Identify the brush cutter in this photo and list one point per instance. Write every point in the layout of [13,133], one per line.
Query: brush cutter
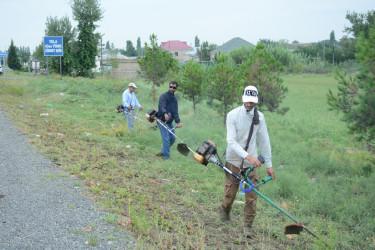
[181,147]
[139,119]
[207,153]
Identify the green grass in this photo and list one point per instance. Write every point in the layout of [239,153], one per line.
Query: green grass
[323,177]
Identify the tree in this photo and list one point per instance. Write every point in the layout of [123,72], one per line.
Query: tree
[332,39]
[240,55]
[155,64]
[203,52]
[356,95]
[223,83]
[263,71]
[348,48]
[139,47]
[107,45]
[361,22]
[61,27]
[24,54]
[86,13]
[130,50]
[39,55]
[13,60]
[196,42]
[112,59]
[192,82]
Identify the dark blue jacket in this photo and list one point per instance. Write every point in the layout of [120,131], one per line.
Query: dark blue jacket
[168,104]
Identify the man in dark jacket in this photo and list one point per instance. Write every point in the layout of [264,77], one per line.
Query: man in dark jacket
[168,111]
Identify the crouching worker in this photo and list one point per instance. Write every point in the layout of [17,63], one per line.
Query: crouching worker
[129,101]
[246,127]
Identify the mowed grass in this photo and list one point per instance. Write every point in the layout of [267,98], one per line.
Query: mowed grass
[323,177]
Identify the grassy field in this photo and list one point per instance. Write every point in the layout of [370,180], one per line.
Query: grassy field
[323,177]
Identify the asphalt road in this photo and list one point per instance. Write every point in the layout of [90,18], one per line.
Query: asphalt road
[43,207]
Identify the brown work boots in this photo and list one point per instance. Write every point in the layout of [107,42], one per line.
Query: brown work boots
[249,231]
[224,216]
[248,228]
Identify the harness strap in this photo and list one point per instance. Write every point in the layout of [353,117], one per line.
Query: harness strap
[254,121]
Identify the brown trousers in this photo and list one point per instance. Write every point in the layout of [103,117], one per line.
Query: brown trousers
[231,185]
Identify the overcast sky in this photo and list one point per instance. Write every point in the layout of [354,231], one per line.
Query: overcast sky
[215,21]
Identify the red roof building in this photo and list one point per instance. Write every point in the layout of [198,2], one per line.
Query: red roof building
[178,49]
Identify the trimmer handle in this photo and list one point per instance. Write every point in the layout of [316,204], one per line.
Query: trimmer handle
[261,159]
[269,178]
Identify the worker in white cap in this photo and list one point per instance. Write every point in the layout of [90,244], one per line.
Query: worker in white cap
[129,101]
[246,127]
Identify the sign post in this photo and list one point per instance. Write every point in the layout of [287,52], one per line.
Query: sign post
[53,46]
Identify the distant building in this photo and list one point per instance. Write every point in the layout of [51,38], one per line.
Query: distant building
[178,49]
[127,66]
[192,54]
[232,44]
[295,46]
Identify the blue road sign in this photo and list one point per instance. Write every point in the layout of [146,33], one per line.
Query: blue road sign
[53,46]
[3,54]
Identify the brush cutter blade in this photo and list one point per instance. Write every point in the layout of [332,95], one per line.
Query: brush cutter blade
[183,149]
[294,228]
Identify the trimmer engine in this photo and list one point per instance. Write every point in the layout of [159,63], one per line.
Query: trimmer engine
[151,115]
[205,153]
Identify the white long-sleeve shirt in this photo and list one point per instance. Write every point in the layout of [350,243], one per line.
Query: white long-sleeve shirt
[238,128]
[129,99]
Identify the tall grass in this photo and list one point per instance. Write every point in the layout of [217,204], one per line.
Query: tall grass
[323,177]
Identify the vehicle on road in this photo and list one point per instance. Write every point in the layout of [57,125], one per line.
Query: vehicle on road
[1,70]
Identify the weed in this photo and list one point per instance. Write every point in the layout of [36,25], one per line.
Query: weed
[110,237]
[78,184]
[78,232]
[111,218]
[51,176]
[93,240]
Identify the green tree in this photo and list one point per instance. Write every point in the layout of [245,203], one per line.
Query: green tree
[130,50]
[192,82]
[348,48]
[332,39]
[263,71]
[24,54]
[13,60]
[155,64]
[61,27]
[38,55]
[112,58]
[86,13]
[107,45]
[356,95]
[196,42]
[240,55]
[224,84]
[360,22]
[139,47]
[204,52]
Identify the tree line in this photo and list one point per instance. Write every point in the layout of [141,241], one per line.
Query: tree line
[223,81]
[220,83]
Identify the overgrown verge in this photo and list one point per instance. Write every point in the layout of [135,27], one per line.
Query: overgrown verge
[174,204]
